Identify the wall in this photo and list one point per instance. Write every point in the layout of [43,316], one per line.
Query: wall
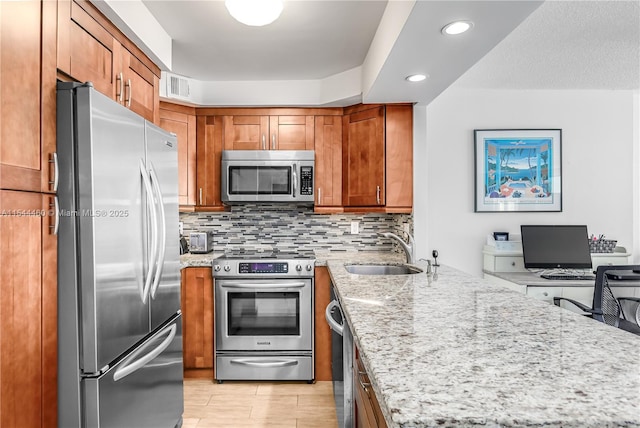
[288,228]
[598,149]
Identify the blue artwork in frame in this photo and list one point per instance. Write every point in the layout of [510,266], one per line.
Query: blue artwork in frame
[518,170]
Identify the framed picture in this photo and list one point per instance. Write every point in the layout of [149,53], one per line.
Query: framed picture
[518,170]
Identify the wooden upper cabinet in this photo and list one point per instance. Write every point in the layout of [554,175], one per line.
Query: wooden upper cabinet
[28,314]
[209,143]
[27,114]
[261,132]
[364,158]
[182,121]
[399,158]
[291,132]
[86,48]
[92,49]
[328,151]
[245,132]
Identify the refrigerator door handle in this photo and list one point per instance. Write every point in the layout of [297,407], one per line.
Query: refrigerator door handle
[144,293]
[133,364]
[162,242]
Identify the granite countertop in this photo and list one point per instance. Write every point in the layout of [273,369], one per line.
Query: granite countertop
[453,350]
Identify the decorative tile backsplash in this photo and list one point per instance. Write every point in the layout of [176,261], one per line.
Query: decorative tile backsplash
[289,227]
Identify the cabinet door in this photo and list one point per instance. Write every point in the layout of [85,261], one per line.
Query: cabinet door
[364,158]
[328,148]
[246,132]
[197,316]
[140,87]
[399,157]
[208,160]
[28,314]
[184,126]
[86,49]
[23,160]
[291,132]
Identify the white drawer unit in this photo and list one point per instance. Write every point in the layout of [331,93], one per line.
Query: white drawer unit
[512,261]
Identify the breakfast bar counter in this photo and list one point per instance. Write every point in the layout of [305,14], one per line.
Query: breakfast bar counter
[453,350]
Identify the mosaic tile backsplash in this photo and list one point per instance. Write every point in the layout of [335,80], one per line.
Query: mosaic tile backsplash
[289,227]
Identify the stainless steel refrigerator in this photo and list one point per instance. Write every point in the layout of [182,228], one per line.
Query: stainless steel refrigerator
[119,320]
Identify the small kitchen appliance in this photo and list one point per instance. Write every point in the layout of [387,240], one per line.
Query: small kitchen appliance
[200,242]
[264,316]
[267,176]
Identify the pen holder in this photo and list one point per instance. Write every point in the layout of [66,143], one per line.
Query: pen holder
[602,246]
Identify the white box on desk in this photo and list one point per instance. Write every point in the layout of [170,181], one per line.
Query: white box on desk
[513,244]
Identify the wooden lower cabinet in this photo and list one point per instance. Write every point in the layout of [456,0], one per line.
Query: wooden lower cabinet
[28,311]
[367,409]
[197,321]
[322,333]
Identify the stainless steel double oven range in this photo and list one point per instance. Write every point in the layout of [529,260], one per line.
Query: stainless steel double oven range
[264,316]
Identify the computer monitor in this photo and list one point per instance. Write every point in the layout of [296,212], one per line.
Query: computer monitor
[555,247]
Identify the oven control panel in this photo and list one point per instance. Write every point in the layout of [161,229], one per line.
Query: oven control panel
[270,267]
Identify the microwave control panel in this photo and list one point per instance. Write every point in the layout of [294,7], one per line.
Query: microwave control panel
[306,180]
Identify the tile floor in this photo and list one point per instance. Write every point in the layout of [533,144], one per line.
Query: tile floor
[256,405]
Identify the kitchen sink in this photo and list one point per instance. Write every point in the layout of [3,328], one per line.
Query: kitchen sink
[382,269]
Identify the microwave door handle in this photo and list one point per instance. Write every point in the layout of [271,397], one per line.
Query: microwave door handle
[259,285]
[295,180]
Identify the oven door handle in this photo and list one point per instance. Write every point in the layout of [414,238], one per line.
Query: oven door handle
[262,285]
[263,363]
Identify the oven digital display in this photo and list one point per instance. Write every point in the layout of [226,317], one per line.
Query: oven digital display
[263,267]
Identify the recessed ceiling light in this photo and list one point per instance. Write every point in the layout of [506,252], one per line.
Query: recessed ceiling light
[457,27]
[416,77]
[255,13]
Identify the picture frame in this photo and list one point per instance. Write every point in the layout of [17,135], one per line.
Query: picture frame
[518,170]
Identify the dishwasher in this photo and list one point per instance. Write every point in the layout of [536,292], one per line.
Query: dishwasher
[341,362]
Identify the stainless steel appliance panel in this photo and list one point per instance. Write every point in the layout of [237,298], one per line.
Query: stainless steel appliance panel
[128,394]
[110,151]
[261,315]
[161,161]
[280,367]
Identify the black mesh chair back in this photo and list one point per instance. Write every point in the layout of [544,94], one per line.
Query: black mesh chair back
[606,307]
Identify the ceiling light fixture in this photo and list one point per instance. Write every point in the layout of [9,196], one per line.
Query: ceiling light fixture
[457,27]
[255,13]
[416,77]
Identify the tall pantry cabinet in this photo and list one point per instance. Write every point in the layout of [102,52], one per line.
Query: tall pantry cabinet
[28,245]
[42,42]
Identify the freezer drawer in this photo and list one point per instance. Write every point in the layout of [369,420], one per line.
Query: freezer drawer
[143,389]
[243,367]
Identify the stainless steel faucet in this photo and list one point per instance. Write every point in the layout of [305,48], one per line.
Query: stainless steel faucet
[408,248]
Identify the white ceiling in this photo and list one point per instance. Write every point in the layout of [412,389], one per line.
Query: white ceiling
[312,39]
[566,45]
[333,52]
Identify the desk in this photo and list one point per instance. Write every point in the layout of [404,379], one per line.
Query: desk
[545,289]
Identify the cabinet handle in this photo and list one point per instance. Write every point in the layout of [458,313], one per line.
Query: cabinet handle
[119,87]
[363,385]
[56,221]
[56,172]
[127,100]
[319,195]
[378,194]
[264,142]
[273,142]
[200,196]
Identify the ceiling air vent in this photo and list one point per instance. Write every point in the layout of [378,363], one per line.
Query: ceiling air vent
[177,87]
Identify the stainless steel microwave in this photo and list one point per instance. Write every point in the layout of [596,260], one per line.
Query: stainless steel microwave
[267,176]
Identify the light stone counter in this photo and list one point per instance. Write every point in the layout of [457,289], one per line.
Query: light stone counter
[452,350]
[198,260]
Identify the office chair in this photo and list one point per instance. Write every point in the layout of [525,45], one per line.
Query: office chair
[606,308]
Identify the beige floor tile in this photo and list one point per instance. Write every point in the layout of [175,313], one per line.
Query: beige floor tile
[190,422]
[315,412]
[316,400]
[234,388]
[317,423]
[319,388]
[215,423]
